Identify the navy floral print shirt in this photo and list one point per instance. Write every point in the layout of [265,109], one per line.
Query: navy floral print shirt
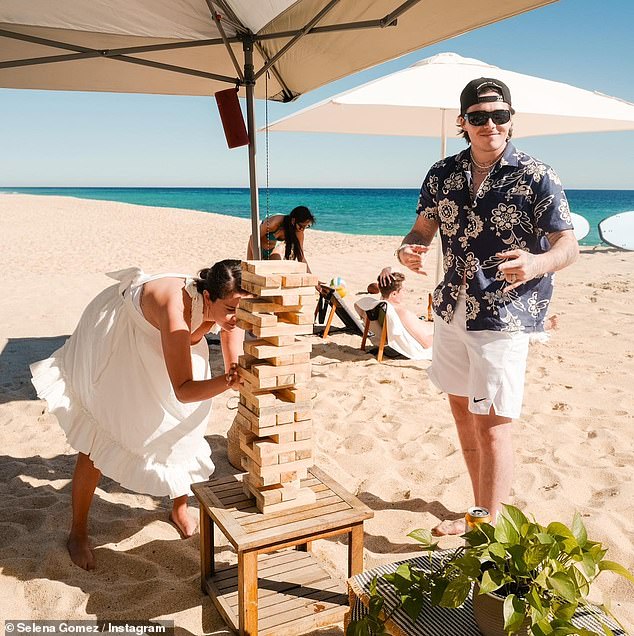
[518,203]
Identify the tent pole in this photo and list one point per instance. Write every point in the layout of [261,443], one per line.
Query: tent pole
[249,82]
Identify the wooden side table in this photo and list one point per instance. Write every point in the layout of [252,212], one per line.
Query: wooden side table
[272,592]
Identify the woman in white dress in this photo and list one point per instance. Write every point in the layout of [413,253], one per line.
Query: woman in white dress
[132,387]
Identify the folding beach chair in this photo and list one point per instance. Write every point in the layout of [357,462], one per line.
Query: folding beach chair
[394,340]
[331,304]
[377,314]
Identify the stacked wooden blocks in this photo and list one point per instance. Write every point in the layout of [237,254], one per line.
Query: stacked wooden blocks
[274,414]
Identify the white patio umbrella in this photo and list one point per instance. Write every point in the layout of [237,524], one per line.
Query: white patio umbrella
[423,100]
[191,47]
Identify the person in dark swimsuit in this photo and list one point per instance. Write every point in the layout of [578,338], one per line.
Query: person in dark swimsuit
[286,229]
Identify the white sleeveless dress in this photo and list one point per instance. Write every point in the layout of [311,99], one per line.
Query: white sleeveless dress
[108,386]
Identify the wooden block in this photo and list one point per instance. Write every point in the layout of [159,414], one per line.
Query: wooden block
[286,407]
[274,267]
[256,382]
[274,430]
[268,370]
[306,432]
[280,295]
[297,318]
[286,457]
[260,399]
[277,469]
[257,422]
[262,305]
[299,280]
[262,280]
[277,474]
[281,329]
[246,361]
[298,358]
[305,497]
[259,319]
[263,350]
[302,416]
[295,395]
[280,341]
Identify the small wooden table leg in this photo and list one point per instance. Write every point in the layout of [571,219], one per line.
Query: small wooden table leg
[248,593]
[207,565]
[355,550]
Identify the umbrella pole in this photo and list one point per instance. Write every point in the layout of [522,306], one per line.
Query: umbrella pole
[443,154]
[249,81]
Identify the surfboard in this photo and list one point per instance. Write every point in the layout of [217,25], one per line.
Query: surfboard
[580,225]
[618,230]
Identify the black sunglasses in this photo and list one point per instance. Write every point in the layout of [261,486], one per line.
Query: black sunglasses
[481,117]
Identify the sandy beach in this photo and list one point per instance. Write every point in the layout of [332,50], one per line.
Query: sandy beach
[382,430]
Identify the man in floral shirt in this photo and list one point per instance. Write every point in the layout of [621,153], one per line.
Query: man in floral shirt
[505,227]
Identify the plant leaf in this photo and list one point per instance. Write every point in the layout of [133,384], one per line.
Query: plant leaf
[566,611]
[425,538]
[535,554]
[579,530]
[456,592]
[515,516]
[616,567]
[558,529]
[538,611]
[412,605]
[564,586]
[497,550]
[505,532]
[491,580]
[514,613]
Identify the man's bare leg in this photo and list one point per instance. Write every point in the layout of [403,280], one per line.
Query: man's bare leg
[180,517]
[495,445]
[467,434]
[85,480]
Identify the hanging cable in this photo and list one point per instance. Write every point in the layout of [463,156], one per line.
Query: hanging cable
[266,143]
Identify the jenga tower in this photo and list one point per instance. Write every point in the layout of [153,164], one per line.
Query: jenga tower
[274,414]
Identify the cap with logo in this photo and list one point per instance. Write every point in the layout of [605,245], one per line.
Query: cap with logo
[473,91]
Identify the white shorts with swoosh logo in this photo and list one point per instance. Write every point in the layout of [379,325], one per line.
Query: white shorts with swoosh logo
[488,367]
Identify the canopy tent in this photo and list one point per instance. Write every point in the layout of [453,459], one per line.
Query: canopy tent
[423,100]
[192,47]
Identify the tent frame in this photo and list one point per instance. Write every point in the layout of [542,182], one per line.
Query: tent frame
[245,76]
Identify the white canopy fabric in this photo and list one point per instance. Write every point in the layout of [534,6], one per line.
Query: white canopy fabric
[88,34]
[415,101]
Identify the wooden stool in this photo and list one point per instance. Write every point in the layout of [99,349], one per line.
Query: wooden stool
[293,593]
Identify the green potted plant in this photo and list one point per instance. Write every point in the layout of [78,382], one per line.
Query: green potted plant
[527,578]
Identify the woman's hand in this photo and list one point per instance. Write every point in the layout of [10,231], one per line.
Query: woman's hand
[232,378]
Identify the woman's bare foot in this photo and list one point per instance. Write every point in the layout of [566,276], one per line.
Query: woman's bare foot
[79,549]
[181,519]
[449,527]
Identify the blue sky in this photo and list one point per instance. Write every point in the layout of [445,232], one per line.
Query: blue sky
[100,139]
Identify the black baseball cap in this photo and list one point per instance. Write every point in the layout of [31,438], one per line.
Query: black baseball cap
[471,93]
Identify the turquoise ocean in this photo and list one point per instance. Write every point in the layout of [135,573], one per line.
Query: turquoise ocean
[348,210]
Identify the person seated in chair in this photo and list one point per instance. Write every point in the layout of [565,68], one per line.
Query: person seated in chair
[390,286]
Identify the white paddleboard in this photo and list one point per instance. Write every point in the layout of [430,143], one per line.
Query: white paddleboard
[618,230]
[580,225]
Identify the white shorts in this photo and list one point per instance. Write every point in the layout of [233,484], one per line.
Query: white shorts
[488,367]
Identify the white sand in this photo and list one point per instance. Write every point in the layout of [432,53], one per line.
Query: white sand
[382,430]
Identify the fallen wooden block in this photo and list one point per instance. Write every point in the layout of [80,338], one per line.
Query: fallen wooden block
[299,280]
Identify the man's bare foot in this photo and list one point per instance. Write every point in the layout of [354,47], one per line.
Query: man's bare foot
[181,519]
[449,527]
[80,552]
